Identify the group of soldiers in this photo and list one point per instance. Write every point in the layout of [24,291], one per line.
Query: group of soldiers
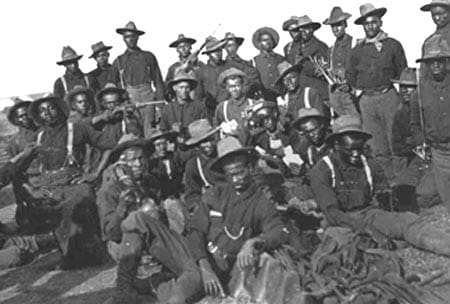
[183,179]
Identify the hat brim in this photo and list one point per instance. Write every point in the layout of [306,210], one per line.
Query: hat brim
[190,41]
[168,134]
[287,24]
[219,45]
[380,12]
[143,143]
[222,78]
[99,95]
[34,112]
[295,68]
[429,6]
[426,58]
[65,61]
[403,82]
[265,30]
[315,25]
[106,48]
[192,82]
[333,136]
[343,17]
[89,92]
[21,104]
[217,165]
[122,31]
[239,40]
[194,141]
[295,124]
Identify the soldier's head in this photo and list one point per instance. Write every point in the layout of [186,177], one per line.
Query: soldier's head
[337,21]
[291,26]
[291,81]
[182,85]
[438,68]
[203,136]
[339,29]
[50,113]
[131,39]
[294,32]
[289,78]
[372,26]
[182,90]
[233,80]
[18,115]
[370,19]
[184,49]
[102,58]
[81,104]
[110,97]
[306,32]
[313,125]
[265,115]
[81,100]
[436,55]
[72,66]
[135,158]
[266,42]
[407,83]
[216,56]
[440,15]
[232,44]
[160,142]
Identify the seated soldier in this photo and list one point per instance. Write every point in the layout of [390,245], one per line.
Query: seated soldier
[198,176]
[349,189]
[60,198]
[81,103]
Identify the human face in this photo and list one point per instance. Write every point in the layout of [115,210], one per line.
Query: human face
[294,32]
[291,81]
[438,68]
[307,32]
[182,90]
[208,146]
[80,104]
[440,15]
[372,26]
[110,101]
[238,171]
[268,119]
[350,147]
[49,113]
[231,47]
[21,118]
[406,91]
[234,87]
[216,56]
[102,58]
[160,147]
[338,29]
[131,40]
[184,49]
[314,130]
[135,159]
[72,66]
[266,42]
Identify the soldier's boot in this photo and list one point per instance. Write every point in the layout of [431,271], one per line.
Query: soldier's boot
[428,237]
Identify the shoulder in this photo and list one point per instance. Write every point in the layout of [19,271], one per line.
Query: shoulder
[394,42]
[321,45]
[279,57]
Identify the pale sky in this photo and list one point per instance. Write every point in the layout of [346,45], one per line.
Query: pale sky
[34,32]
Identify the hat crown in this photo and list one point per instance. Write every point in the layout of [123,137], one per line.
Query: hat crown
[183,74]
[68,53]
[228,145]
[366,8]
[408,75]
[337,15]
[437,47]
[131,26]
[199,128]
[307,112]
[127,137]
[98,46]
[302,20]
[110,85]
[284,66]
[181,36]
[211,42]
[336,12]
[347,121]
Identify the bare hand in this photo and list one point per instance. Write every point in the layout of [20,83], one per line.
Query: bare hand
[211,283]
[85,178]
[176,127]
[247,256]
[127,198]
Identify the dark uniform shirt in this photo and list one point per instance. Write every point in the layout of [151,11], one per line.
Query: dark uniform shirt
[228,219]
[72,80]
[370,69]
[267,66]
[340,53]
[21,139]
[292,51]
[103,75]
[173,68]
[169,173]
[444,32]
[138,67]
[114,129]
[174,112]
[402,137]
[297,100]
[253,82]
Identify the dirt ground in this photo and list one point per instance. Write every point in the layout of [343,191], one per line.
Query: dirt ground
[41,283]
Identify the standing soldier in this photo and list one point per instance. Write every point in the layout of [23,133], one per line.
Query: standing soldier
[440,13]
[374,62]
[292,49]
[341,102]
[73,75]
[138,73]
[265,40]
[103,74]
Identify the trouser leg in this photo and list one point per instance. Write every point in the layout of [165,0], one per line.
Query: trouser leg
[441,171]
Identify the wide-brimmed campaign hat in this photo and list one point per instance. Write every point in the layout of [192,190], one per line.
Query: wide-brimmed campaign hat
[367,10]
[99,47]
[79,89]
[182,75]
[57,101]
[291,23]
[129,27]
[157,134]
[285,68]
[231,72]
[110,88]
[427,7]
[213,44]
[18,103]
[407,77]
[337,15]
[231,36]
[68,54]
[265,104]
[182,39]
[130,140]
[308,113]
[347,124]
[265,30]
[305,20]
[200,130]
[435,47]
[231,146]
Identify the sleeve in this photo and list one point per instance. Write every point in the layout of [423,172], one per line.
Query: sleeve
[58,88]
[115,74]
[198,231]
[193,185]
[157,78]
[316,101]
[273,231]
[350,70]
[400,61]
[110,217]
[400,146]
[416,127]
[94,137]
[218,115]
[164,123]
[200,89]
[6,173]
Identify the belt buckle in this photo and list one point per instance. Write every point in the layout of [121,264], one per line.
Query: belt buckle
[212,248]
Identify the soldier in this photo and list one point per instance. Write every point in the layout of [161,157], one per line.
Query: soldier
[440,13]
[252,86]
[340,101]
[81,102]
[104,73]
[350,188]
[265,40]
[209,90]
[138,73]
[292,49]
[182,110]
[374,62]
[73,75]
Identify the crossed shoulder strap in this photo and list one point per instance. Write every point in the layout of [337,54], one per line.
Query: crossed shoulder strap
[202,174]
[306,98]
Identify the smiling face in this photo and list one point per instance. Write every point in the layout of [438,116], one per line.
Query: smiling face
[235,87]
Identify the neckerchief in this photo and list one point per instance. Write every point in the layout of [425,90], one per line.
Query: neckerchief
[377,41]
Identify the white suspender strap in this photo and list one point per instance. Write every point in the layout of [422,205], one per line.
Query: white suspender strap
[70,140]
[368,173]
[86,80]
[202,174]
[225,110]
[124,127]
[253,62]
[64,83]
[310,155]
[327,161]
[39,138]
[251,102]
[306,98]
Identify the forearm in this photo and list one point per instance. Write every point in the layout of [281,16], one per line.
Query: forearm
[103,162]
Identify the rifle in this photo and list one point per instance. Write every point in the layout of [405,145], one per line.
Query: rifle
[422,150]
[127,108]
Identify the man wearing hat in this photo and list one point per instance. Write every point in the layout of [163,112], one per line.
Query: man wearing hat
[198,176]
[434,102]
[73,75]
[209,91]
[182,110]
[265,39]
[81,102]
[138,73]
[253,84]
[292,48]
[183,46]
[236,222]
[440,13]
[374,62]
[103,74]
[350,189]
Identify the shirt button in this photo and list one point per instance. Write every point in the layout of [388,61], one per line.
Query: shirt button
[441,98]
